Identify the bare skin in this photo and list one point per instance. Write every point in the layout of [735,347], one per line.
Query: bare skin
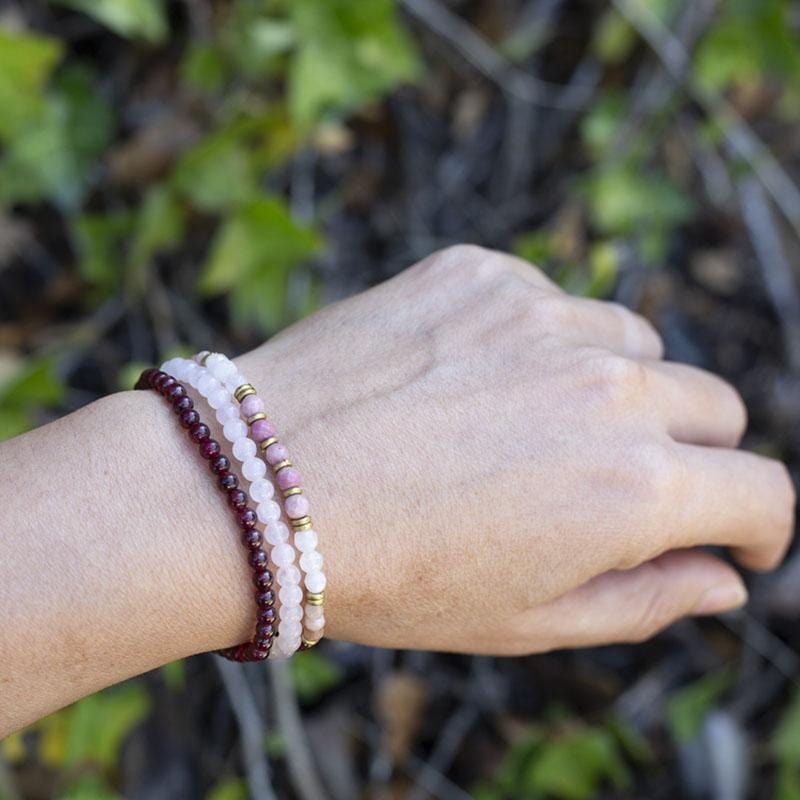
[494,467]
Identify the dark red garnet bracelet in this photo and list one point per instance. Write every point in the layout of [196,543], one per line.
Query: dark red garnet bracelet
[175,393]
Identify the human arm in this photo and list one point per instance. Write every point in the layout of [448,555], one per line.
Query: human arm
[495,467]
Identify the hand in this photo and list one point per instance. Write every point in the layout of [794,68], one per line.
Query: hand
[497,467]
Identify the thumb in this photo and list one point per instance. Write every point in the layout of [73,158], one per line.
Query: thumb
[633,605]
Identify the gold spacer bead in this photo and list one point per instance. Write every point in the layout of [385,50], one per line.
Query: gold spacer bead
[309,643]
[256,417]
[294,490]
[245,390]
[281,465]
[302,523]
[205,358]
[315,598]
[267,442]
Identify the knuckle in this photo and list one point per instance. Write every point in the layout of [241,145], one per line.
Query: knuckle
[463,259]
[655,612]
[616,379]
[553,314]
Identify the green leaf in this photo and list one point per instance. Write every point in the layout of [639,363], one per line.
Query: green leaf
[26,62]
[35,383]
[349,53]
[159,226]
[574,766]
[217,174]
[252,255]
[688,707]
[99,239]
[313,675]
[614,38]
[53,158]
[203,67]
[230,789]
[785,743]
[135,19]
[174,673]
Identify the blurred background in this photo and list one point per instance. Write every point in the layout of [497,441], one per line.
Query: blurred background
[182,174]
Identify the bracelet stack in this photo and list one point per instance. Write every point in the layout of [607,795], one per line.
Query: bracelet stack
[299,620]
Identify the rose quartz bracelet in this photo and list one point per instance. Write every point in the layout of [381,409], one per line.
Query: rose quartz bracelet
[295,503]
[287,577]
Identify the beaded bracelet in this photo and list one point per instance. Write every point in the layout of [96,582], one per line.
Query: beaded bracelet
[295,503]
[287,577]
[174,392]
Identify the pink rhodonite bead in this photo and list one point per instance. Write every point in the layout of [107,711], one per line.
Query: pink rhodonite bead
[252,404]
[296,506]
[275,453]
[288,478]
[262,429]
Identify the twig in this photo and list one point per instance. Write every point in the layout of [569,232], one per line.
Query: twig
[478,52]
[251,728]
[298,756]
[738,134]
[778,274]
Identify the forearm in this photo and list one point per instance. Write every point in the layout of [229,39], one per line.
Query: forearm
[117,555]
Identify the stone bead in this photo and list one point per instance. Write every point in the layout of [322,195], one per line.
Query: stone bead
[262,490]
[313,612]
[237,499]
[292,613]
[266,599]
[254,468]
[288,575]
[207,384]
[246,518]
[276,453]
[235,380]
[175,393]
[316,582]
[258,558]
[262,429]
[223,369]
[209,449]
[291,595]
[234,429]
[188,418]
[219,397]
[227,481]
[267,615]
[277,533]
[212,359]
[311,561]
[251,405]
[226,413]
[268,511]
[316,624]
[199,432]
[288,478]
[262,578]
[296,506]
[292,629]
[244,447]
[220,464]
[182,404]
[283,554]
[251,538]
[306,540]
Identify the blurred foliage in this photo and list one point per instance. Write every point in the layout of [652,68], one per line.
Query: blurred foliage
[570,761]
[189,183]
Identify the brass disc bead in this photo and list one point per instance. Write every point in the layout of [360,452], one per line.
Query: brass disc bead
[294,490]
[302,524]
[256,417]
[245,390]
[267,442]
[281,465]
[315,598]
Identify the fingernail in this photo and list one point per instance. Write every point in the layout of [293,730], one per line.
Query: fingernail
[721,598]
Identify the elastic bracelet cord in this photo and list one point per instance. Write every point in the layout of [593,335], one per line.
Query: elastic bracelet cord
[296,505]
[287,576]
[175,394]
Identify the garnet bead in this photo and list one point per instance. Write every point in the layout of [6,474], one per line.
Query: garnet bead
[199,432]
[189,418]
[258,558]
[247,518]
[182,404]
[265,630]
[262,580]
[155,376]
[227,481]
[259,653]
[266,615]
[252,539]
[237,499]
[209,449]
[265,599]
[175,393]
[165,383]
[220,464]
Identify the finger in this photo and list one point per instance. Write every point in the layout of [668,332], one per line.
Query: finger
[633,605]
[612,326]
[735,498]
[697,407]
